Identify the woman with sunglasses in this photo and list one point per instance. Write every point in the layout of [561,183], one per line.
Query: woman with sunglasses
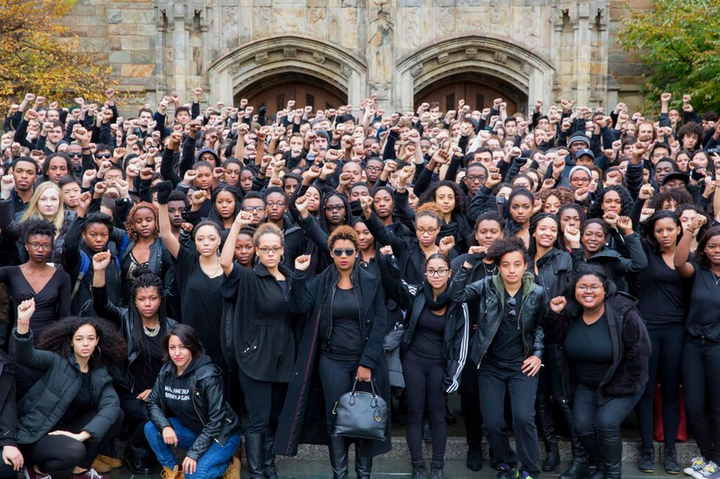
[258,337]
[346,329]
[507,347]
[433,351]
[608,347]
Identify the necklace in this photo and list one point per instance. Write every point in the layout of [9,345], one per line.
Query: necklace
[489,272]
[151,333]
[716,278]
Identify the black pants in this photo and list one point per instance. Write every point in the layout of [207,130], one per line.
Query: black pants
[667,352]
[264,402]
[7,472]
[136,416]
[494,382]
[423,386]
[337,378]
[60,453]
[701,376]
[470,404]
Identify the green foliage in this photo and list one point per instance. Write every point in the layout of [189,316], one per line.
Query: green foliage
[679,43]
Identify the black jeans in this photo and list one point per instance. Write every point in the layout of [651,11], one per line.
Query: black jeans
[264,402]
[493,382]
[701,376]
[470,404]
[423,385]
[136,416]
[61,453]
[7,472]
[591,418]
[337,378]
[667,352]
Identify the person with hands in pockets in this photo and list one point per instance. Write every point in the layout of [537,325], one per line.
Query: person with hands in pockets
[507,348]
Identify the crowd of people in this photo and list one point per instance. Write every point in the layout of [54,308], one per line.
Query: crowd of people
[166,275]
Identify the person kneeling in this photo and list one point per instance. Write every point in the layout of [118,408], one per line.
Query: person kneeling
[188,411]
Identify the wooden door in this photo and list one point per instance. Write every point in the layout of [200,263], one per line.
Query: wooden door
[476,95]
[275,97]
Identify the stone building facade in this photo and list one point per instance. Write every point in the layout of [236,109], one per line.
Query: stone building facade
[330,51]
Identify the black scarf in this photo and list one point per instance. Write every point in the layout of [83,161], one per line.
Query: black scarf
[441,302]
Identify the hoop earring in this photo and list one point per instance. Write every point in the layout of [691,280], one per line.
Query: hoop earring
[99,351]
[282,258]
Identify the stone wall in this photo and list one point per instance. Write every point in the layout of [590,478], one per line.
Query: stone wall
[547,48]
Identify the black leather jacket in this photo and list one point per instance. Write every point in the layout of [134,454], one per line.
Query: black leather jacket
[489,293]
[219,420]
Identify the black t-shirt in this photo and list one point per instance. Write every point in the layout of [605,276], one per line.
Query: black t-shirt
[704,305]
[346,342]
[80,403]
[201,303]
[590,349]
[428,339]
[663,295]
[506,349]
[146,366]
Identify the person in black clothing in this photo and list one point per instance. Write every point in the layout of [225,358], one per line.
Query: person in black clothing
[12,459]
[663,303]
[258,337]
[199,275]
[72,411]
[608,347]
[489,228]
[701,355]
[433,351]
[509,342]
[143,325]
[187,410]
[346,326]
[553,271]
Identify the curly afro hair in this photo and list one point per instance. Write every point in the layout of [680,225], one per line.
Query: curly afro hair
[36,226]
[507,245]
[461,202]
[626,202]
[565,195]
[111,348]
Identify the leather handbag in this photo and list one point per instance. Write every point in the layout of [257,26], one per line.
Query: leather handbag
[361,415]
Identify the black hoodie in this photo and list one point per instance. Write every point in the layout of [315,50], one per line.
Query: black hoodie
[177,395]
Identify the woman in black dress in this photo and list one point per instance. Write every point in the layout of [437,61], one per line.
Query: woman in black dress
[258,337]
[346,328]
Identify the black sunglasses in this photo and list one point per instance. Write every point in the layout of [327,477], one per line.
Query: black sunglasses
[347,251]
[511,303]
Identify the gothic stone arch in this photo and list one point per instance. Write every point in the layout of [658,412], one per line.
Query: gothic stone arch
[526,70]
[289,54]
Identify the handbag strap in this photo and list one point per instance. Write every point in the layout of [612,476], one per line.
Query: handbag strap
[372,387]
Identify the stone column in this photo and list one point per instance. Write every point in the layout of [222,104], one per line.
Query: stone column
[583,37]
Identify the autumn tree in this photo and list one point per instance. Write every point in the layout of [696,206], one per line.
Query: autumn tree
[39,55]
[679,43]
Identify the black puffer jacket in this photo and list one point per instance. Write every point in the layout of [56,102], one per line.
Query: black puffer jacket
[206,394]
[46,402]
[490,294]
[8,407]
[628,373]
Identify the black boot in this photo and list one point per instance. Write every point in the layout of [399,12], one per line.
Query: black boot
[269,464]
[363,458]
[579,468]
[474,457]
[419,470]
[255,454]
[546,428]
[611,449]
[591,444]
[338,449]
[140,460]
[646,461]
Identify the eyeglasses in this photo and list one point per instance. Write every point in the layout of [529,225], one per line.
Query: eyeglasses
[43,246]
[593,287]
[275,205]
[71,154]
[511,304]
[474,178]
[346,252]
[266,249]
[579,180]
[373,168]
[103,155]
[437,272]
[429,231]
[250,209]
[335,208]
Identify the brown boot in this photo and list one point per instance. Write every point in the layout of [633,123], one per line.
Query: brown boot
[173,473]
[233,470]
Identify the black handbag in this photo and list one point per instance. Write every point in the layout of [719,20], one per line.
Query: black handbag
[360,414]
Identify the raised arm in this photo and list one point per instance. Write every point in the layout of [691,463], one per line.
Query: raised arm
[680,260]
[102,304]
[164,188]
[228,252]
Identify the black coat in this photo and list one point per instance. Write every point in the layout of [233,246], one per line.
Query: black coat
[490,293]
[616,265]
[257,324]
[554,275]
[48,399]
[219,420]
[303,416]
[160,262]
[631,347]
[121,317]
[8,407]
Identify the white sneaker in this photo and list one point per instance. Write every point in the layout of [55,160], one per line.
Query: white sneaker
[710,471]
[697,465]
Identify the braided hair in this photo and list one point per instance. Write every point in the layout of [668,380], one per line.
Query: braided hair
[145,278]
